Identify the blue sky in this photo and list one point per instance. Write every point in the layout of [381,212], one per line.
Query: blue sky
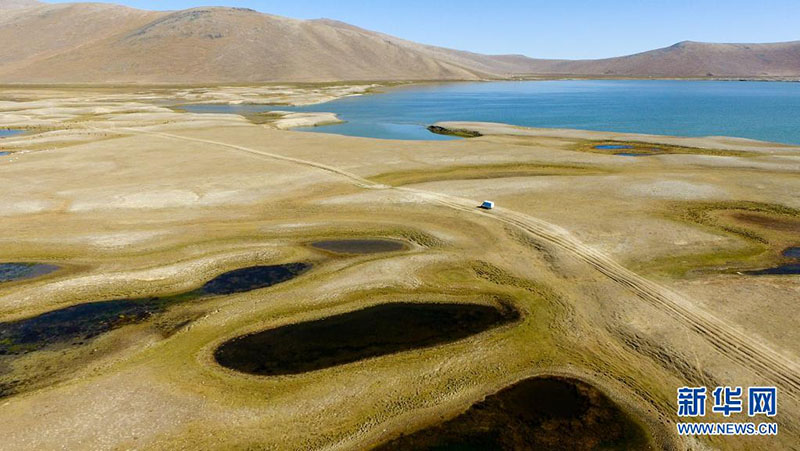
[545,29]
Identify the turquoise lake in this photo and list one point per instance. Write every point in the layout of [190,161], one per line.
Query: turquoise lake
[768,111]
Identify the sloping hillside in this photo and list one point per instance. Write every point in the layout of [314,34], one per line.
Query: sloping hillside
[101,43]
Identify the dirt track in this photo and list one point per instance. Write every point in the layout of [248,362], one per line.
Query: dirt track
[730,341]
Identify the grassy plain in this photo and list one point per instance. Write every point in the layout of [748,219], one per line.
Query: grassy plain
[133,198]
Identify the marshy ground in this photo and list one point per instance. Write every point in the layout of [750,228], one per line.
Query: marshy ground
[628,275]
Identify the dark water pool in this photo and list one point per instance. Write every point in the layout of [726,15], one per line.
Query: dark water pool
[534,414]
[349,337]
[782,270]
[20,271]
[75,324]
[253,278]
[792,252]
[360,246]
[791,268]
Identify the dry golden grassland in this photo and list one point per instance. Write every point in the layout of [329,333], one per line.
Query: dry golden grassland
[624,270]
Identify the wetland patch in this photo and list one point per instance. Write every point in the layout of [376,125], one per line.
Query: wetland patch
[766,229]
[360,246]
[10,272]
[545,413]
[349,337]
[78,323]
[791,268]
[641,149]
[482,172]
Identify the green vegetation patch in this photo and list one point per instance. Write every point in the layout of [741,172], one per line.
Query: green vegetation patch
[474,172]
[703,213]
[265,117]
[767,229]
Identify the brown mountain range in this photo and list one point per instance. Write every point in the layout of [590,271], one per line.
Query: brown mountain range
[102,43]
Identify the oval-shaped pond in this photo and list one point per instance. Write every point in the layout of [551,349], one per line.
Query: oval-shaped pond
[361,334]
[10,272]
[360,246]
[550,413]
[253,278]
[80,322]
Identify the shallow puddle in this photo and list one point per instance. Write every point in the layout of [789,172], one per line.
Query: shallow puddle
[75,324]
[613,147]
[360,246]
[10,272]
[9,132]
[539,413]
[349,337]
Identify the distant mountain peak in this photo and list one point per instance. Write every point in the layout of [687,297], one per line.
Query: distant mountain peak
[102,43]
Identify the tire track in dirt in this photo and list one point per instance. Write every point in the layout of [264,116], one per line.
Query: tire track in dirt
[732,343]
[727,339]
[359,181]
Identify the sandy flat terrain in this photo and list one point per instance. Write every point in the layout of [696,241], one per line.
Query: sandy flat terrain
[628,271]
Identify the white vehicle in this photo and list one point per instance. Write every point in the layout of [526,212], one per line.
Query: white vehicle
[487,205]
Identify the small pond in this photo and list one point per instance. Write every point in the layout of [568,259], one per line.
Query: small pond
[792,252]
[10,272]
[361,334]
[546,413]
[360,246]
